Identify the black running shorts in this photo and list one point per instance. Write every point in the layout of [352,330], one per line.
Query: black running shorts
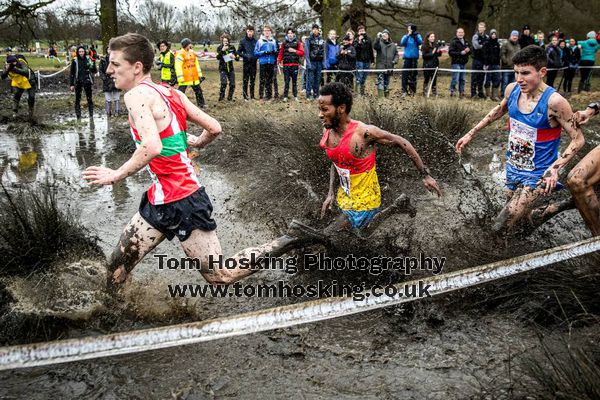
[181,217]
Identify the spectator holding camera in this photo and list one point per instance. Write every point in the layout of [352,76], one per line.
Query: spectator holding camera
[431,51]
[387,57]
[346,61]
[459,55]
[22,79]
[364,57]
[411,42]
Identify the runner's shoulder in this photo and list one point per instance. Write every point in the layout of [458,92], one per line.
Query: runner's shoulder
[368,131]
[509,88]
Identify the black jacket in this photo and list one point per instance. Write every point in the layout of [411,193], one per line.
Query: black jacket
[347,62]
[288,57]
[553,53]
[525,41]
[454,51]
[364,50]
[491,52]
[315,49]
[246,49]
[573,56]
[430,59]
[82,70]
[226,66]
[108,84]
[481,40]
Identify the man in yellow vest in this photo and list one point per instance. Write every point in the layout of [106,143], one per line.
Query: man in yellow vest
[187,69]
[166,63]
[22,79]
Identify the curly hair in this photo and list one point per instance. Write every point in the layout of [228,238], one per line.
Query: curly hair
[340,94]
[532,55]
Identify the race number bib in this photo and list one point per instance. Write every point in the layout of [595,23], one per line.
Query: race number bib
[521,145]
[344,175]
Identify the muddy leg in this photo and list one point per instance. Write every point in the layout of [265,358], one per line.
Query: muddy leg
[400,205]
[581,183]
[540,215]
[517,207]
[202,244]
[340,223]
[138,238]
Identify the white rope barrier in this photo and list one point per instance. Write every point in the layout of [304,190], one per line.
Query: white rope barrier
[49,353]
[482,71]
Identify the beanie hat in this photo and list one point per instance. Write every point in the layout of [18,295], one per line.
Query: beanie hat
[385,31]
[591,35]
[514,33]
[526,28]
[493,31]
[11,59]
[186,42]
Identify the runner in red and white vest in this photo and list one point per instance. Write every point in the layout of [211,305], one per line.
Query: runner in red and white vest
[176,203]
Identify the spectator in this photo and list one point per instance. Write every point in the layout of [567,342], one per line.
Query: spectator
[431,54]
[331,51]
[573,58]
[411,42]
[111,93]
[276,71]
[507,51]
[166,63]
[315,55]
[526,39]
[266,50]
[477,78]
[554,61]
[82,68]
[226,54]
[459,55]
[187,69]
[246,51]
[491,62]
[290,52]
[93,53]
[303,74]
[22,79]
[539,39]
[346,61]
[589,48]
[364,57]
[387,57]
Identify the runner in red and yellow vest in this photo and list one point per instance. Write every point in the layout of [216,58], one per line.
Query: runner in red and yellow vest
[187,69]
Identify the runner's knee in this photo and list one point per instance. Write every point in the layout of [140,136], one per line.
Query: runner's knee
[576,181]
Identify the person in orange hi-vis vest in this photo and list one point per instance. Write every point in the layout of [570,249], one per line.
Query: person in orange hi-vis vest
[187,69]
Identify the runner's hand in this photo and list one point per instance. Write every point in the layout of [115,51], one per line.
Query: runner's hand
[101,176]
[548,181]
[582,117]
[192,140]
[431,185]
[326,205]
[463,141]
[72,88]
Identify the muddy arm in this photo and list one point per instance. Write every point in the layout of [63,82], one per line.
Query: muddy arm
[211,126]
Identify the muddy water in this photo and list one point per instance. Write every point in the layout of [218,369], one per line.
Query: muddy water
[429,351]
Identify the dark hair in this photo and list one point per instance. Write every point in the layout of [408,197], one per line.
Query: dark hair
[165,43]
[426,45]
[315,26]
[249,28]
[340,94]
[135,47]
[532,55]
[361,27]
[290,29]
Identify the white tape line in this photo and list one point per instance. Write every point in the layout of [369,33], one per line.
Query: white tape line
[274,318]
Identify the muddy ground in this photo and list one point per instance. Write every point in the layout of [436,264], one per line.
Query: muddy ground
[266,169]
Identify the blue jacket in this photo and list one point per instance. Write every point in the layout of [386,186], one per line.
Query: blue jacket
[266,50]
[588,49]
[331,51]
[411,45]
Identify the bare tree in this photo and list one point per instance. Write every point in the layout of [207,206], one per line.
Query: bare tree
[159,19]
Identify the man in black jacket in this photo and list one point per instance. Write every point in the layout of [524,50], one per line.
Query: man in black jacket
[82,68]
[554,61]
[364,57]
[526,39]
[246,52]
[479,39]
[491,62]
[459,54]
[346,62]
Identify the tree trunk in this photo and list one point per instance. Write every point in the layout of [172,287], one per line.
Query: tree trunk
[331,16]
[108,20]
[468,13]
[357,14]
